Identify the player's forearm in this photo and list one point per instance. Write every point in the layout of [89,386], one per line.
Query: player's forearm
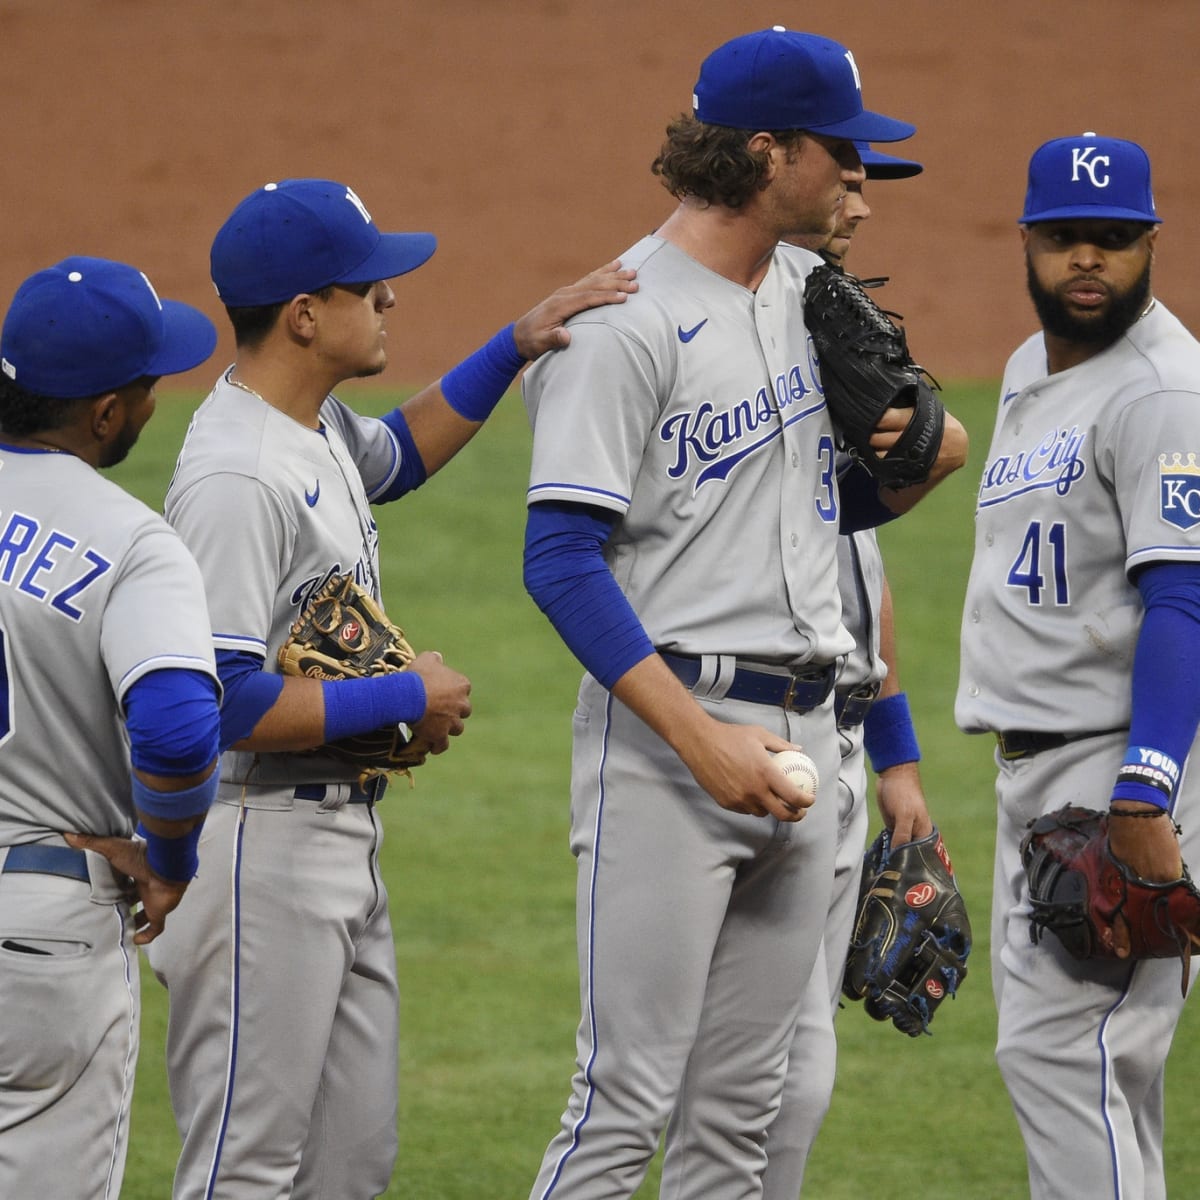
[295,721]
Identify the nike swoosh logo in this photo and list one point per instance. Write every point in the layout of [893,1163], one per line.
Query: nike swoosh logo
[311,498]
[1007,397]
[686,335]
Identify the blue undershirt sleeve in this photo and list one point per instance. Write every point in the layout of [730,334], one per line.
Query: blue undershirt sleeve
[861,507]
[171,717]
[1166,663]
[569,580]
[412,471]
[249,692]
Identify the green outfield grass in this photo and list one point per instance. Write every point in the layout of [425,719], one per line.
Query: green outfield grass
[482,882]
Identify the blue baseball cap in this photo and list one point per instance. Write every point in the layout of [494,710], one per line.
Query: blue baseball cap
[778,79]
[89,325]
[300,235]
[886,166]
[1089,176]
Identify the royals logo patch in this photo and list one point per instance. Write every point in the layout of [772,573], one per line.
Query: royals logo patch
[1179,490]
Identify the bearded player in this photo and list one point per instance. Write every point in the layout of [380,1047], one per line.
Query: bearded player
[1080,650]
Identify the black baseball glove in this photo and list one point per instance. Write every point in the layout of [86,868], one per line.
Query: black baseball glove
[866,368]
[343,633]
[1079,891]
[912,935]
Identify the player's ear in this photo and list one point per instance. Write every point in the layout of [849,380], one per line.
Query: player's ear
[300,315]
[763,144]
[104,414]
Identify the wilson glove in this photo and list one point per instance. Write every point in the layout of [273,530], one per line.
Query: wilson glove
[866,368]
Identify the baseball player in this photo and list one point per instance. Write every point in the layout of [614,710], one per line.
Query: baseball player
[873,720]
[108,714]
[282,1042]
[682,532]
[1080,638]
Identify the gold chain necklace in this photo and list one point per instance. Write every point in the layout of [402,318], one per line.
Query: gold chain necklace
[237,383]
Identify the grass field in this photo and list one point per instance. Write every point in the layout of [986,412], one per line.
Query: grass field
[482,883]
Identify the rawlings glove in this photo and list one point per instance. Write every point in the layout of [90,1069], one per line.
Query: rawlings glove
[343,633]
[865,368]
[1079,891]
[911,936]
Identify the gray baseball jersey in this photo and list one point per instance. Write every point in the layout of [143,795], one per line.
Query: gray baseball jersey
[1092,472]
[686,408]
[693,412]
[271,509]
[96,591]
[860,583]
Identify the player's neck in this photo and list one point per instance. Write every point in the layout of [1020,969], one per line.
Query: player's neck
[726,241]
[282,383]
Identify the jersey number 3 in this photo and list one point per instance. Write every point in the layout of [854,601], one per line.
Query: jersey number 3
[1027,573]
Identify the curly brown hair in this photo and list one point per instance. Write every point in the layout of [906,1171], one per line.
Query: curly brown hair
[713,163]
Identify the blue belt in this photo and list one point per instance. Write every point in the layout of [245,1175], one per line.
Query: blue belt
[370,793]
[851,707]
[798,691]
[37,859]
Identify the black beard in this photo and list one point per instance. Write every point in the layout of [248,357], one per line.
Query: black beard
[1123,310]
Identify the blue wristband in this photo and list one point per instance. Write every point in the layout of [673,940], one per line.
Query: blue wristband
[174,806]
[888,733]
[173,858]
[1147,775]
[361,705]
[479,382]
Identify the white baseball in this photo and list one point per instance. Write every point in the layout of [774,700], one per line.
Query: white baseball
[798,766]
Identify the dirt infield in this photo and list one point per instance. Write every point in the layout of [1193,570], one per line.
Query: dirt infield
[521,132]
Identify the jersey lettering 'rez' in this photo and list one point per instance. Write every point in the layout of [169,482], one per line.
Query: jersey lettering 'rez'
[682,437]
[31,557]
[1091,474]
[96,591]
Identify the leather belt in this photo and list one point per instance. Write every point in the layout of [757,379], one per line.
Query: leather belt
[369,793]
[37,859]
[797,691]
[1022,743]
[851,707]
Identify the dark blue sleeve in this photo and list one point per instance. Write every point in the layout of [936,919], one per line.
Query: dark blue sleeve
[1166,664]
[171,717]
[249,692]
[570,582]
[412,469]
[861,507]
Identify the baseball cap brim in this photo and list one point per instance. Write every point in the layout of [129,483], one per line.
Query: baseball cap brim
[395,254]
[867,126]
[1089,212]
[189,337]
[887,166]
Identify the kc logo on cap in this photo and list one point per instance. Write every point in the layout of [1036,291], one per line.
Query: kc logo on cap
[1091,177]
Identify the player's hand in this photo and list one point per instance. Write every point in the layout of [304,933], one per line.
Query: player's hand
[1148,846]
[152,896]
[447,701]
[542,328]
[901,801]
[733,765]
